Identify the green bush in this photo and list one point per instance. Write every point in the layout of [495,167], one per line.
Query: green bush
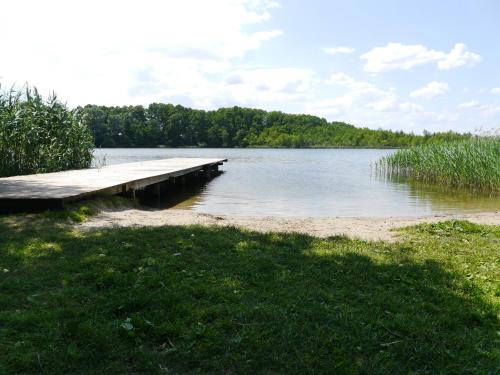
[40,135]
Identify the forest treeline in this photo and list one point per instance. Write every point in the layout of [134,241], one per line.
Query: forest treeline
[176,126]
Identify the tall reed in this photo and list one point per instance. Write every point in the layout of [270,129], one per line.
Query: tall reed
[472,163]
[40,135]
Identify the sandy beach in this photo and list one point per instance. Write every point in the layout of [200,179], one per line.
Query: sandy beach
[355,227]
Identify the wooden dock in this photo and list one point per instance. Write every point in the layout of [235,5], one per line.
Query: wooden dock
[50,190]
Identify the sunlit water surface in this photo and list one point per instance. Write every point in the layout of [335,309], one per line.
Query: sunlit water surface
[306,182]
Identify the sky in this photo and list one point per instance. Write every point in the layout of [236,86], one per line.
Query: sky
[390,64]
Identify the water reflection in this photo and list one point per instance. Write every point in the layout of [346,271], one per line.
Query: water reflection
[455,200]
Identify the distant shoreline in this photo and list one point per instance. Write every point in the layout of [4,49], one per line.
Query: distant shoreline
[259,148]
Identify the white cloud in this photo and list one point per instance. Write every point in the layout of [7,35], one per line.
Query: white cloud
[489,111]
[495,90]
[355,86]
[470,104]
[396,56]
[120,52]
[286,80]
[365,104]
[431,90]
[361,94]
[365,96]
[195,53]
[261,86]
[337,50]
[459,56]
[410,107]
[485,110]
[254,87]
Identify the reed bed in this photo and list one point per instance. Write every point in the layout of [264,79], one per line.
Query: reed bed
[473,163]
[39,135]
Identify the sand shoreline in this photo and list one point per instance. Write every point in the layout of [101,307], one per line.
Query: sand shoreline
[354,227]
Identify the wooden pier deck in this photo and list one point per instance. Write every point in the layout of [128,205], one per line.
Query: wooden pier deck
[48,190]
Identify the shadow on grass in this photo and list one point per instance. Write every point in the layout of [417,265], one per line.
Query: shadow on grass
[221,300]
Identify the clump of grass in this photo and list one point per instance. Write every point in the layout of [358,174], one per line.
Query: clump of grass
[39,135]
[472,163]
[79,212]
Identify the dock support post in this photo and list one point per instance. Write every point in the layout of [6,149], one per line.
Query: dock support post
[128,191]
[131,193]
[208,172]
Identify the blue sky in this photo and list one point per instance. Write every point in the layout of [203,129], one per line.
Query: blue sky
[409,65]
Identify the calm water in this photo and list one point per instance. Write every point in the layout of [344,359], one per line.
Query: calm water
[318,183]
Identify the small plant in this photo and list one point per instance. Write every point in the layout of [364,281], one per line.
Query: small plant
[472,163]
[40,135]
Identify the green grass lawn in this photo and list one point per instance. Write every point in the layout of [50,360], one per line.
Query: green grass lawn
[225,301]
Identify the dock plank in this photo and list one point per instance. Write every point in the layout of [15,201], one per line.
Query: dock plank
[74,184]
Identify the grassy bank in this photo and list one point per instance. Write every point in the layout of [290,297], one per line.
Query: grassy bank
[218,300]
[473,163]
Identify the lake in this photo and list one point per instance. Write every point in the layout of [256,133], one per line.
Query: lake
[305,182]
